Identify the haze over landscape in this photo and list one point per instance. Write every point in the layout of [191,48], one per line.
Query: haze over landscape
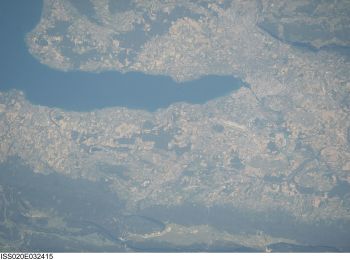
[175,126]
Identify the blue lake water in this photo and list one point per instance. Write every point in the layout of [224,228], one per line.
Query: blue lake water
[82,91]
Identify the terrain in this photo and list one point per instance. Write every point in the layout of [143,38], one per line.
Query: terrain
[279,146]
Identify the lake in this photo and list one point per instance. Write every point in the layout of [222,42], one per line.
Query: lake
[276,223]
[84,91]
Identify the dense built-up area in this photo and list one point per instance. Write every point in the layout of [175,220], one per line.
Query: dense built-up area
[281,143]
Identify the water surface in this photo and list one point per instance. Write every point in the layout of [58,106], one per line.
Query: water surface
[83,91]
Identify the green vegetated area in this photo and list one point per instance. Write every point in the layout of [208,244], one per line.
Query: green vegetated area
[309,24]
[57,213]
